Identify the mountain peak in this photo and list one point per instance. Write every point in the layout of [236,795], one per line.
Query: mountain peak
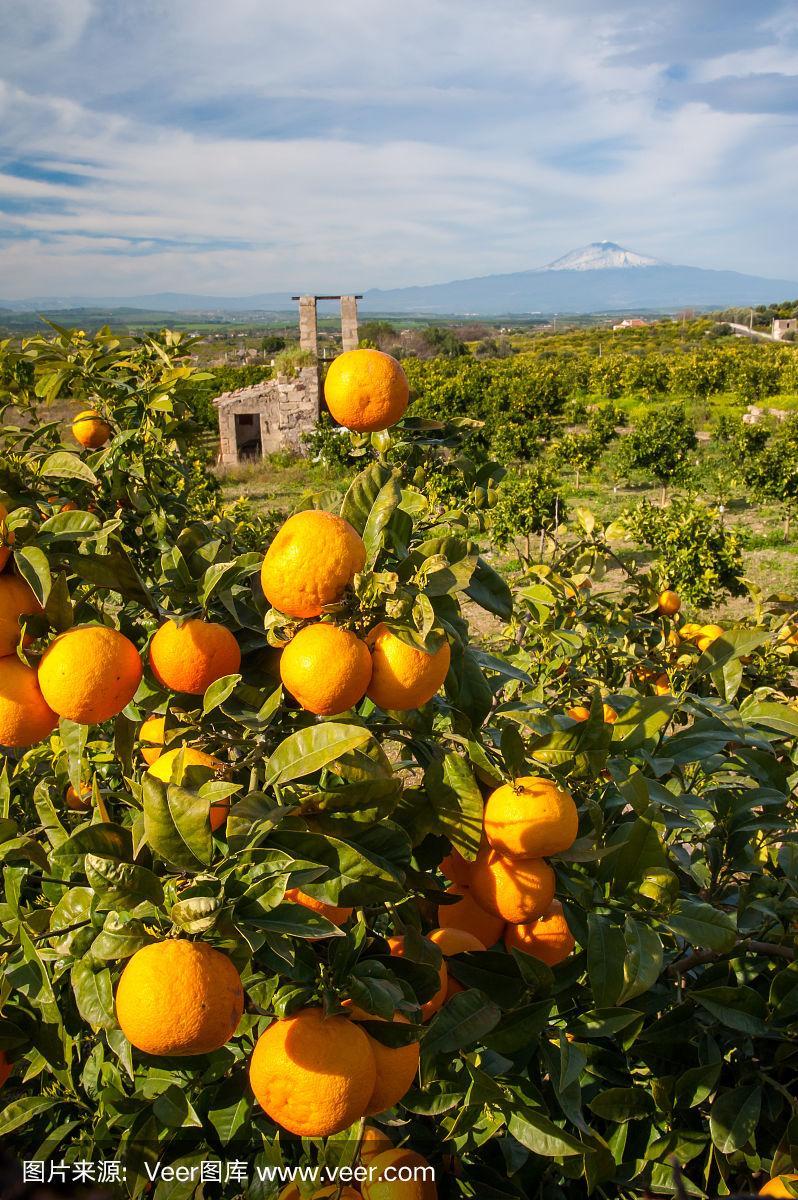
[601,256]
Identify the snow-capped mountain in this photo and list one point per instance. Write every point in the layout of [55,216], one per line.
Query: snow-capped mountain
[601,256]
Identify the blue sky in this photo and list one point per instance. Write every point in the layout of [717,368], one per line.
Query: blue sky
[241,146]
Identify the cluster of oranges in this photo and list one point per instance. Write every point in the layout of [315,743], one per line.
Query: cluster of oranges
[508,891]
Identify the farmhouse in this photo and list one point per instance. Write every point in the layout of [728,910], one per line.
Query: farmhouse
[273,415]
[782,326]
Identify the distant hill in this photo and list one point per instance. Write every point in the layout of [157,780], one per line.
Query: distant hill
[600,277]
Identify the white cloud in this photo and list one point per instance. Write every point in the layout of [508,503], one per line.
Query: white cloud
[417,144]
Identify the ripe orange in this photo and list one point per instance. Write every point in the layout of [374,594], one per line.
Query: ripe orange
[165,769]
[78,801]
[775,1186]
[374,1141]
[689,632]
[151,735]
[454,941]
[668,603]
[455,867]
[662,685]
[530,818]
[468,915]
[333,912]
[430,1007]
[397,1166]
[25,716]
[311,562]
[189,657]
[6,537]
[16,600]
[396,1069]
[403,677]
[90,429]
[517,889]
[90,673]
[313,1075]
[366,390]
[581,713]
[326,669]
[708,635]
[179,997]
[6,1067]
[548,939]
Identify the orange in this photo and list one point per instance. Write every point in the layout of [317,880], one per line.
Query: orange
[430,1007]
[470,916]
[517,889]
[16,600]
[581,713]
[454,941]
[708,635]
[326,669]
[530,818]
[151,735]
[165,769]
[775,1186]
[668,603]
[455,867]
[689,632]
[179,997]
[313,1075]
[366,390]
[333,912]
[90,429]
[374,1141]
[662,685]
[548,939]
[390,1177]
[190,656]
[90,673]
[402,676]
[6,1067]
[397,1067]
[6,537]
[311,562]
[25,716]
[78,801]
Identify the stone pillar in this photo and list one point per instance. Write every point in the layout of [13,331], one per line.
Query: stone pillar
[349,323]
[308,332]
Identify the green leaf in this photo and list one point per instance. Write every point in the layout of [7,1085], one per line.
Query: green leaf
[32,564]
[490,591]
[218,692]
[641,850]
[735,1007]
[310,750]
[462,1022]
[643,962]
[385,503]
[73,524]
[19,1112]
[702,925]
[456,801]
[91,983]
[622,1104]
[108,841]
[363,492]
[542,1136]
[606,952]
[64,465]
[733,1118]
[177,824]
[120,884]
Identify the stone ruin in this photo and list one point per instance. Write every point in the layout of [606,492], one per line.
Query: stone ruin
[272,415]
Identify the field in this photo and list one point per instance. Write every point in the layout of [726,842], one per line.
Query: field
[418,815]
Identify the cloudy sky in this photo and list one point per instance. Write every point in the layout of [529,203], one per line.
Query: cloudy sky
[240,146]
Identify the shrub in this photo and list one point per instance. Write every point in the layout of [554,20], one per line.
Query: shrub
[660,445]
[527,504]
[698,556]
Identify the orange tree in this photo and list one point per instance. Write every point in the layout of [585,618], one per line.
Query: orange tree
[545,953]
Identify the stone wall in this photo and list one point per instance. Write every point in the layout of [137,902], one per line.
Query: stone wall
[286,409]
